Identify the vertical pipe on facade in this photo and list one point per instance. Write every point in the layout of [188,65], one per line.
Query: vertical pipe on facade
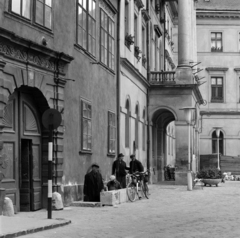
[164,13]
[118,78]
[148,79]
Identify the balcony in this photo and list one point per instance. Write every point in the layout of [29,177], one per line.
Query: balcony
[164,77]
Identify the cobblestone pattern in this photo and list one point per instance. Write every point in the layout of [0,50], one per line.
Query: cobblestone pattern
[171,212]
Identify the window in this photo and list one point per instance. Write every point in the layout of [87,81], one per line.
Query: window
[44,13]
[127,125]
[217,89]
[21,7]
[136,127]
[144,57]
[126,18]
[86,126]
[143,131]
[86,25]
[135,30]
[107,40]
[216,42]
[215,141]
[156,53]
[111,133]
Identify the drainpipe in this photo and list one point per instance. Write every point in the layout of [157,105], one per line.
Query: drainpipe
[118,79]
[164,26]
[148,79]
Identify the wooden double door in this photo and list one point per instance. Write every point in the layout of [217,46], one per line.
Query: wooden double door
[22,152]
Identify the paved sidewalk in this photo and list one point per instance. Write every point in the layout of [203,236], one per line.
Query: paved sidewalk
[171,212]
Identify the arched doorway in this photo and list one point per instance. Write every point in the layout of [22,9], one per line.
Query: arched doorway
[22,147]
[164,151]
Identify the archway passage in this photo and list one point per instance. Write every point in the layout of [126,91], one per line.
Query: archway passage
[164,145]
[23,147]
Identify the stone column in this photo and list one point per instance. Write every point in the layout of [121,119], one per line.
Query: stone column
[185,42]
[181,129]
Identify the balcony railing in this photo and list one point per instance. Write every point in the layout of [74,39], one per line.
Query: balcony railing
[162,77]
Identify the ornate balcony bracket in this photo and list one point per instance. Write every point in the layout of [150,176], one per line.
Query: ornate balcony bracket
[158,31]
[145,15]
[139,4]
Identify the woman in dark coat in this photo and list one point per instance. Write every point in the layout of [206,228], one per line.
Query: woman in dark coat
[93,184]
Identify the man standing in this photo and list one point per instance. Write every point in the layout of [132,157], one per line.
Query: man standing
[135,165]
[93,184]
[120,167]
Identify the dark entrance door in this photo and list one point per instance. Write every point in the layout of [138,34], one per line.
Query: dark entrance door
[22,152]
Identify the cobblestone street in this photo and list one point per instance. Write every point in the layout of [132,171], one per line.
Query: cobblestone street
[171,212]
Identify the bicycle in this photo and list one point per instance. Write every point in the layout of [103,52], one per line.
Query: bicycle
[137,181]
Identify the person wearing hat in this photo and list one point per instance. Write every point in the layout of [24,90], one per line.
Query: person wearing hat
[113,184]
[93,184]
[135,165]
[119,168]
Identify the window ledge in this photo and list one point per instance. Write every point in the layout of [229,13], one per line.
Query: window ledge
[28,22]
[217,101]
[82,50]
[85,152]
[111,155]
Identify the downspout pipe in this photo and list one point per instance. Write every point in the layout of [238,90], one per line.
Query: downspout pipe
[118,88]
[148,79]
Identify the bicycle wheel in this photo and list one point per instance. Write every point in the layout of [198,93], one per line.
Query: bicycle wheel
[145,190]
[132,192]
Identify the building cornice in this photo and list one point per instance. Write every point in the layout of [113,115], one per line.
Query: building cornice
[218,14]
[217,69]
[135,71]
[208,113]
[237,69]
[24,50]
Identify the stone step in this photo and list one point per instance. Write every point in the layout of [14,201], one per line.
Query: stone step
[85,204]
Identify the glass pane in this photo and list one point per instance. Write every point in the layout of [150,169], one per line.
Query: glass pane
[48,3]
[106,22]
[110,44]
[80,2]
[212,35]
[48,17]
[39,13]
[93,46]
[93,29]
[26,8]
[84,4]
[90,7]
[84,25]
[90,26]
[219,35]
[85,127]
[80,16]
[80,36]
[16,6]
[219,81]
[213,80]
[85,140]
[90,44]
[94,10]
[105,37]
[105,54]
[220,92]
[113,62]
[102,54]
[102,18]
[89,111]
[110,27]
[113,46]
[89,142]
[113,29]
[89,127]
[219,44]
[84,39]
[85,113]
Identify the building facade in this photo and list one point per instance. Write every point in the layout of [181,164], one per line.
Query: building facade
[218,57]
[64,60]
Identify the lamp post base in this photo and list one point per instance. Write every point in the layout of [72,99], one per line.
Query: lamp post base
[189,181]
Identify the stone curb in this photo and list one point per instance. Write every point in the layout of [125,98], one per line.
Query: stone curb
[86,204]
[34,230]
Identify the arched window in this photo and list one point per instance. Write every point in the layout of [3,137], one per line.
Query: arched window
[214,143]
[127,124]
[136,127]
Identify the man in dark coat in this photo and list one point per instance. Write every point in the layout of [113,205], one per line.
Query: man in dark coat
[135,165]
[93,184]
[119,167]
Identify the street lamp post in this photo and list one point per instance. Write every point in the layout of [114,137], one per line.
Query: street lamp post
[188,119]
[218,129]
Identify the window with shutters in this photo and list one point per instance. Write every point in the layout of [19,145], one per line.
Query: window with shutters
[215,143]
[217,89]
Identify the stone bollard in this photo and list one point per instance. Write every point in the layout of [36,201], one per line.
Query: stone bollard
[2,196]
[8,209]
[57,203]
